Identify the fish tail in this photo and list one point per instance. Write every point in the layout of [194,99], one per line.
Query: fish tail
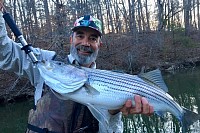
[188,119]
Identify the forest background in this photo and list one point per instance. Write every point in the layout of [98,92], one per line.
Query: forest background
[138,34]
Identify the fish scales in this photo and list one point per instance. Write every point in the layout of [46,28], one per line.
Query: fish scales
[123,82]
[126,85]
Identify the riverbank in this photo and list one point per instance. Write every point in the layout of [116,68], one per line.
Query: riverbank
[122,52]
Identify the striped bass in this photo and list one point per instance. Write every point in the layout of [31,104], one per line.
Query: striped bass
[108,90]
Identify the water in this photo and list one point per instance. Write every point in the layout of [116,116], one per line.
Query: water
[184,86]
[13,117]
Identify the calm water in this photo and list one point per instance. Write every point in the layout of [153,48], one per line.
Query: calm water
[184,86]
[13,117]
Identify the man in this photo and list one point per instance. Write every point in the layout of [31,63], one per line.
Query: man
[52,114]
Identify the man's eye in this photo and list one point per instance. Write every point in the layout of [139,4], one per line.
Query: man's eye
[79,36]
[94,39]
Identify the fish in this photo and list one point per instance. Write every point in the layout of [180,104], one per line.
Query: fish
[103,90]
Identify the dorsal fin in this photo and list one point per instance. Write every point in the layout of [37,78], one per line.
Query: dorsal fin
[154,77]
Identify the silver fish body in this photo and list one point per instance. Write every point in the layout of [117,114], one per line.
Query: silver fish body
[110,90]
[116,88]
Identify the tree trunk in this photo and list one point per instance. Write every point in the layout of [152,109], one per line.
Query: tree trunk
[160,15]
[132,21]
[47,16]
[147,16]
[194,15]
[100,15]
[117,19]
[125,17]
[168,16]
[139,16]
[198,15]
[109,16]
[186,4]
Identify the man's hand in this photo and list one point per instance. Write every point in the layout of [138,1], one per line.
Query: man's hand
[142,106]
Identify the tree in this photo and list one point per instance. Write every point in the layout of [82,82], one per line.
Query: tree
[198,15]
[147,16]
[47,16]
[160,14]
[187,5]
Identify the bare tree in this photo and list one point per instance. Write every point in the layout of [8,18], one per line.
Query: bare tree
[124,13]
[117,17]
[141,22]
[198,15]
[110,25]
[187,5]
[160,4]
[194,14]
[147,16]
[48,19]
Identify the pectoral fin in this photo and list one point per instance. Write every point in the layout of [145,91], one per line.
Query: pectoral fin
[91,90]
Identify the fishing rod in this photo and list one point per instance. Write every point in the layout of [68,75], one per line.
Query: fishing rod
[18,34]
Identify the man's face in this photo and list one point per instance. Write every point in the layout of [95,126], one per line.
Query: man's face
[85,44]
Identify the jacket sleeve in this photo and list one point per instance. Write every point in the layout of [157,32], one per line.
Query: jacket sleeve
[13,59]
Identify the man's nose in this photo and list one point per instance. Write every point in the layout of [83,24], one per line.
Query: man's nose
[86,42]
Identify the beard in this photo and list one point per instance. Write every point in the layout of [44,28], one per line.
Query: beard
[83,59]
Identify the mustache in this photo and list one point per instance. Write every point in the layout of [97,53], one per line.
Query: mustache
[85,48]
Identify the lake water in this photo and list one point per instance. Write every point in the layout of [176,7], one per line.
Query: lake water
[184,87]
[13,117]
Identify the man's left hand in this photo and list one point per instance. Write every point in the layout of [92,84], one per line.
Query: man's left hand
[141,106]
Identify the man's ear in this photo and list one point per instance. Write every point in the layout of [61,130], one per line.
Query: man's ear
[101,44]
[70,39]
